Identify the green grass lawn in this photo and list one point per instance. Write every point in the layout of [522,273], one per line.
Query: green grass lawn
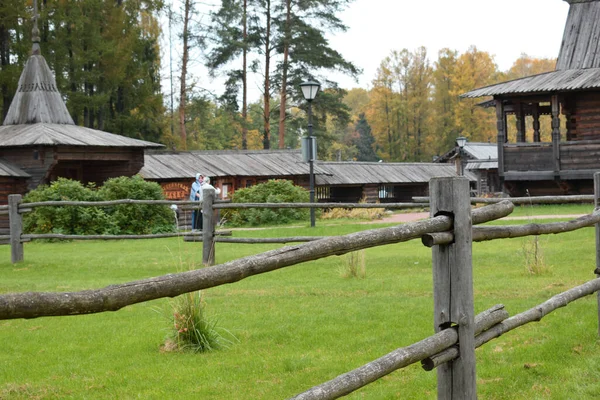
[297,327]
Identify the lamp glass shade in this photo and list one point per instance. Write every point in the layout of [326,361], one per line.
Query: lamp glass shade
[310,89]
[461,141]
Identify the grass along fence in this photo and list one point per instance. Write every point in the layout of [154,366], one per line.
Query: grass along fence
[450,233]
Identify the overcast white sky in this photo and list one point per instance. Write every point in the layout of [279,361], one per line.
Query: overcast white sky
[505,29]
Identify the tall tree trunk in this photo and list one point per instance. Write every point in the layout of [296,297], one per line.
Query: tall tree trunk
[266,96]
[245,77]
[284,73]
[184,62]
[4,62]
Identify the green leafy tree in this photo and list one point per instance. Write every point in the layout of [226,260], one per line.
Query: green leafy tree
[273,191]
[67,220]
[137,218]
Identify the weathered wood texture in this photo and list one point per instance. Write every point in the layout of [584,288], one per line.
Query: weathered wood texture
[16,228]
[115,297]
[483,233]
[453,286]
[523,200]
[208,227]
[483,321]
[540,311]
[531,157]
[580,48]
[399,358]
[534,314]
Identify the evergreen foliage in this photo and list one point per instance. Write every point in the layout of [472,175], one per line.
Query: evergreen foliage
[365,141]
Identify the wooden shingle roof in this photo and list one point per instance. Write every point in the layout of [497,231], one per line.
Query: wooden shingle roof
[38,115]
[578,64]
[268,163]
[45,134]
[37,99]
[11,170]
[580,47]
[568,80]
[359,173]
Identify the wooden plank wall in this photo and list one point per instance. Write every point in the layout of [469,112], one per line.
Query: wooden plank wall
[528,158]
[577,156]
[34,161]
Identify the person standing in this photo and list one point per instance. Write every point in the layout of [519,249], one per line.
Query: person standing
[196,195]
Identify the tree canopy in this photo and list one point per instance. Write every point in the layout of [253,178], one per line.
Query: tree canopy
[106,57]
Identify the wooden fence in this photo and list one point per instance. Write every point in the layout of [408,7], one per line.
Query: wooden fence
[449,232]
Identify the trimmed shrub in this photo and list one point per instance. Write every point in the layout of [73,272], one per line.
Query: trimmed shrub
[273,191]
[132,219]
[68,220]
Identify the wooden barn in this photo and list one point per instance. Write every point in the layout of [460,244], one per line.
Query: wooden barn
[376,181]
[479,161]
[229,170]
[39,142]
[569,100]
[334,181]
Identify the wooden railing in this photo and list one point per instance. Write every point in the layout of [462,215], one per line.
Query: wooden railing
[449,232]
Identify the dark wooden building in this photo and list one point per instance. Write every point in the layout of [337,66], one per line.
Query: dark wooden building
[377,181]
[479,161]
[229,170]
[39,142]
[334,181]
[569,99]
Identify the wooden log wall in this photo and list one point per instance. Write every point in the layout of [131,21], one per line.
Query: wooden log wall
[586,117]
[533,157]
[34,161]
[580,155]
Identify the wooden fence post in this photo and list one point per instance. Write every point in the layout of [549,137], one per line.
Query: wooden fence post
[596,205]
[453,286]
[208,227]
[16,228]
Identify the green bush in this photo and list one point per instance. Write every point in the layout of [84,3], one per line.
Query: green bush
[68,220]
[273,191]
[129,219]
[134,219]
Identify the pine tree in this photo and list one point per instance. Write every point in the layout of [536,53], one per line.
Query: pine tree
[365,141]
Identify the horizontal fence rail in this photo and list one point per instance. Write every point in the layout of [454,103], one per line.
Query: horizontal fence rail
[449,231]
[586,198]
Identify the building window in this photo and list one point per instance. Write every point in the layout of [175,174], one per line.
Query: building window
[225,190]
[248,183]
[386,191]
[323,192]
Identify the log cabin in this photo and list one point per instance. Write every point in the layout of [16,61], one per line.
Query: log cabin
[564,159]
[230,170]
[478,161]
[39,142]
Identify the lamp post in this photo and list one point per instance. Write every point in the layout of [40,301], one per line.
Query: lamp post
[309,91]
[460,142]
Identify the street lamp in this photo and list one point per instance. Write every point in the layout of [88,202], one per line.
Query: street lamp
[460,142]
[309,91]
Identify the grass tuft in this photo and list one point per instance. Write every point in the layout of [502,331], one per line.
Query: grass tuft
[191,330]
[354,265]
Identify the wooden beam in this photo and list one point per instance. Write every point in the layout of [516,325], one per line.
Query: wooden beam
[453,286]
